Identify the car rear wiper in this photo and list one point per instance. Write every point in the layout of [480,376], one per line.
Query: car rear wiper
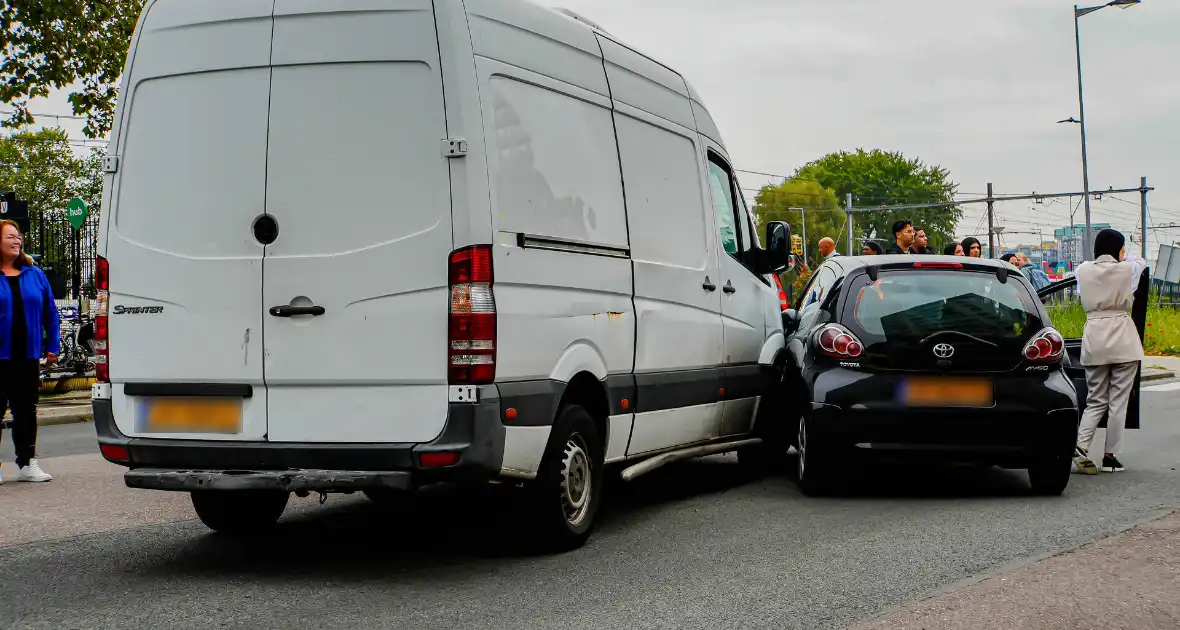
[955,332]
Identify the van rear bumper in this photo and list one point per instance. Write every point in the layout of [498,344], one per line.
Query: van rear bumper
[281,480]
[474,431]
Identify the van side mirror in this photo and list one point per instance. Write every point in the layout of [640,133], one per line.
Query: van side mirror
[790,321]
[777,255]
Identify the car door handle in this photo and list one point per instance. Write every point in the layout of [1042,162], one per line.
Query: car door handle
[708,285]
[292,311]
[729,288]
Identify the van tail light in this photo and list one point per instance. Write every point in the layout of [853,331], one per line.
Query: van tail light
[102,333]
[782,295]
[471,347]
[1047,347]
[836,341]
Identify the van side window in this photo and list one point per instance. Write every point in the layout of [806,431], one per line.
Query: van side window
[722,190]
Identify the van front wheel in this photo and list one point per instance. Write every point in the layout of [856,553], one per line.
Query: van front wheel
[568,487]
[239,513]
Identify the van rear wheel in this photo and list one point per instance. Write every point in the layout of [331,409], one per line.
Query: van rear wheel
[239,513]
[1050,475]
[566,494]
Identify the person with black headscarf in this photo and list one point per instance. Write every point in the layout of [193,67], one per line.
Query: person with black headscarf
[1111,349]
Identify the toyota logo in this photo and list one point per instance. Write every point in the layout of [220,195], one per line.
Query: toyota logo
[944,351]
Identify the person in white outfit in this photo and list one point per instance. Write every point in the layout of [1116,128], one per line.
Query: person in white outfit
[1111,348]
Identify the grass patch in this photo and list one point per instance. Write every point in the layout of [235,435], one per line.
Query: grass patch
[1163,326]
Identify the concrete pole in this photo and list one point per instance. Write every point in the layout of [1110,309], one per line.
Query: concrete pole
[1088,244]
[848,209]
[1143,215]
[991,223]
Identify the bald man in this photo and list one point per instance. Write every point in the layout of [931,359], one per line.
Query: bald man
[827,248]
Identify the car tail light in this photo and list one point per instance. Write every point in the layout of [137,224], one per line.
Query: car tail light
[438,459]
[102,333]
[836,341]
[782,295]
[472,339]
[1047,347]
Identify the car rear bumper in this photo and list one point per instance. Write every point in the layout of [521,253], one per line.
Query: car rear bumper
[1033,417]
[473,431]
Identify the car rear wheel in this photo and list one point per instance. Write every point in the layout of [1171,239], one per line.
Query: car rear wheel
[815,463]
[239,513]
[1049,476]
[568,487]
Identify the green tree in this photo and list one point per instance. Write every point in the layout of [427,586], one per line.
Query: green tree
[819,206]
[889,178]
[59,44]
[41,167]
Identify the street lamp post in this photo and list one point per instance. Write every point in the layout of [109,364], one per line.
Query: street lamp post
[1078,12]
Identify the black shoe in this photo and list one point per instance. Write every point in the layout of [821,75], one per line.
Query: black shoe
[1111,464]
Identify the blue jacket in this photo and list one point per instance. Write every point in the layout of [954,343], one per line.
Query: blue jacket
[40,314]
[1038,278]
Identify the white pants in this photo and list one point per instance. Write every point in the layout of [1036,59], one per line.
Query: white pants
[1108,390]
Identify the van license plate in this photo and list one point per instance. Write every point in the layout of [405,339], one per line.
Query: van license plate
[191,415]
[947,392]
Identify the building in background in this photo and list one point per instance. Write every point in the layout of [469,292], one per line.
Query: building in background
[1070,249]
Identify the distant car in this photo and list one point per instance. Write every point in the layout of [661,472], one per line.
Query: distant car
[934,356]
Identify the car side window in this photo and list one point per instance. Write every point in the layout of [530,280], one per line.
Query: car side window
[722,190]
[817,290]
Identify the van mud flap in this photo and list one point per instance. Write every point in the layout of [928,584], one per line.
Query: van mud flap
[283,480]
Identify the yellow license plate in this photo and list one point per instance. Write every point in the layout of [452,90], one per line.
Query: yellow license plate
[192,415]
[947,392]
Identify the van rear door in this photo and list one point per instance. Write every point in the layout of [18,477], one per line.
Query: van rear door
[185,271]
[359,189]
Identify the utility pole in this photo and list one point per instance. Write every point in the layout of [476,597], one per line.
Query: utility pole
[1143,215]
[848,210]
[1088,243]
[991,222]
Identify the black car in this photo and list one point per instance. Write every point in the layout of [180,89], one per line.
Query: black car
[928,356]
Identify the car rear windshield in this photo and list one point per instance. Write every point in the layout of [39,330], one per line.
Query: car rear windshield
[905,308]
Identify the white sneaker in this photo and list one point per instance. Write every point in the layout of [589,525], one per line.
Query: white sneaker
[33,472]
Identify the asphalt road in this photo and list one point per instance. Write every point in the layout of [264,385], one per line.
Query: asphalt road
[691,546]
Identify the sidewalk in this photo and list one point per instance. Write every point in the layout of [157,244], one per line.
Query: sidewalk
[63,409]
[1130,580]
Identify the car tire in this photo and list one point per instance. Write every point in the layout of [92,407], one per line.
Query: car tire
[815,466]
[239,513]
[567,492]
[1049,476]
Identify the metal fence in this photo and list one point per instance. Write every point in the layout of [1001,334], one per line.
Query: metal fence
[65,255]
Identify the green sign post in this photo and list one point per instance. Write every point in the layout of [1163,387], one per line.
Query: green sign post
[76,212]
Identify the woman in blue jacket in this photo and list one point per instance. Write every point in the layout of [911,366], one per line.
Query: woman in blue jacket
[27,313]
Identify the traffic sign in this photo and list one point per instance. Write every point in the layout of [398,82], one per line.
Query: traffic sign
[76,212]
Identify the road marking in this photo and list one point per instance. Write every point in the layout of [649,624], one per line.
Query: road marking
[1166,387]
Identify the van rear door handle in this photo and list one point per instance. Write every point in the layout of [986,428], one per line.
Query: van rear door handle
[292,311]
[729,288]
[708,285]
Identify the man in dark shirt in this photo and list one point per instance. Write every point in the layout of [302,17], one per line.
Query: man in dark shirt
[903,237]
[921,241]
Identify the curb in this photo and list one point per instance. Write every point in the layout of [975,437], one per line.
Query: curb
[1157,375]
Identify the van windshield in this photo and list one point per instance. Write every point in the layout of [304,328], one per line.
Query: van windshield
[987,321]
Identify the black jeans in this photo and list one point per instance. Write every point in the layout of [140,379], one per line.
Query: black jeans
[20,382]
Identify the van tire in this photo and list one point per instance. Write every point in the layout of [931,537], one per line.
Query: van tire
[239,513]
[1049,476]
[567,492]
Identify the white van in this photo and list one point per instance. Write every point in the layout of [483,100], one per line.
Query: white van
[375,244]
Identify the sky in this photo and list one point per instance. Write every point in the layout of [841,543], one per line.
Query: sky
[973,86]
